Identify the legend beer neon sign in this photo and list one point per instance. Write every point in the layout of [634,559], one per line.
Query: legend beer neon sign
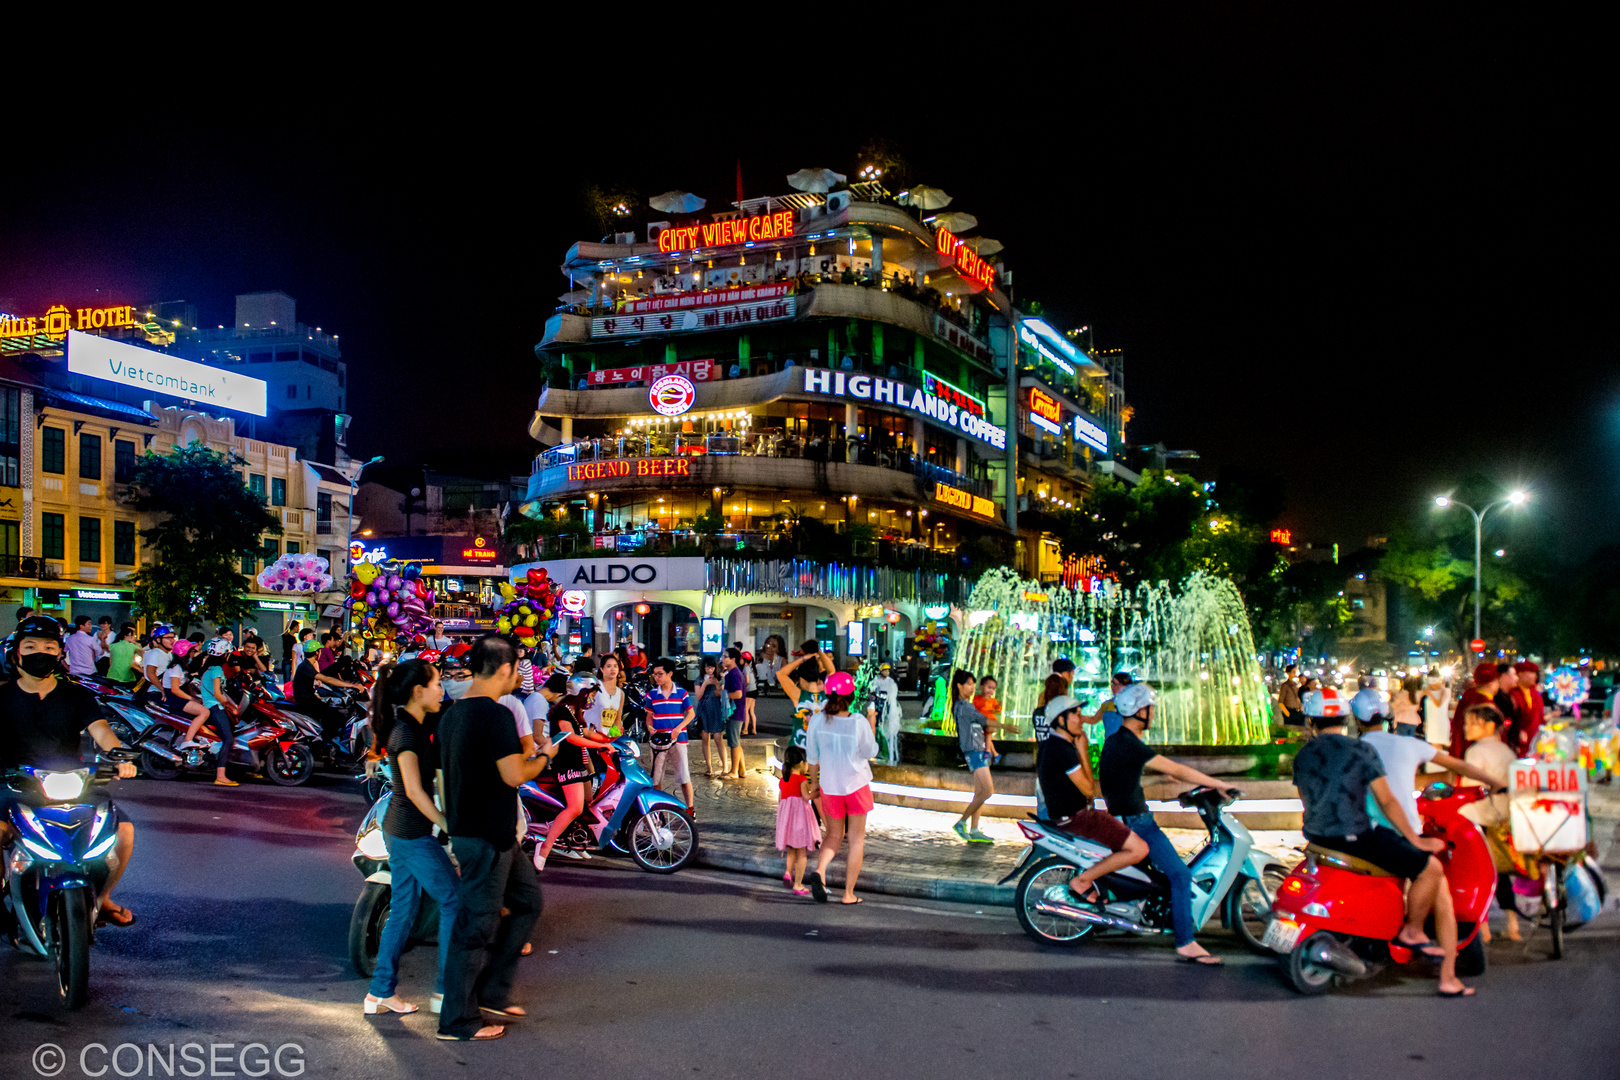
[720,233]
[967,260]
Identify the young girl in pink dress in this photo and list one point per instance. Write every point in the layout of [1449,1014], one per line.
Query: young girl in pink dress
[797,830]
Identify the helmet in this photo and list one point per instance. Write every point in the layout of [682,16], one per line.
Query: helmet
[311,647]
[1059,705]
[161,631]
[430,656]
[38,626]
[419,639]
[219,647]
[1133,698]
[840,682]
[748,658]
[662,740]
[183,647]
[584,684]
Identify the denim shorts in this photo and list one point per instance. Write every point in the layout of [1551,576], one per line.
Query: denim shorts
[978,759]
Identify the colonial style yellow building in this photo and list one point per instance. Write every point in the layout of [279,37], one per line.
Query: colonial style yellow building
[69,543]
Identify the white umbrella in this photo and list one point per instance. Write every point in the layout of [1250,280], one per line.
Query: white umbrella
[928,198]
[957,221]
[578,296]
[677,202]
[983,246]
[817,180]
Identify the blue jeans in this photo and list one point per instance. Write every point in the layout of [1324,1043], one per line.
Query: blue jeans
[417,866]
[1164,856]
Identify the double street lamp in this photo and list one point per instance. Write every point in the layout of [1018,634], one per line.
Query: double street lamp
[1517,498]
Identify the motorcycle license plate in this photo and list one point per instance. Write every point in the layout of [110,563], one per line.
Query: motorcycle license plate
[1281,935]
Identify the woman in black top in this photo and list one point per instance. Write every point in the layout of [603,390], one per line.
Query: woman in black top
[402,719]
[572,766]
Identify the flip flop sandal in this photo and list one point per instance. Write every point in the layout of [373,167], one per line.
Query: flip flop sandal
[1428,949]
[1467,991]
[817,888]
[851,903]
[507,1012]
[479,1037]
[1207,960]
[116,916]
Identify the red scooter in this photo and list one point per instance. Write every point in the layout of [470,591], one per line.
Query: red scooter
[1335,916]
[267,741]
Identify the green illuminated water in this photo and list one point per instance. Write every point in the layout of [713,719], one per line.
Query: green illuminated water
[1193,646]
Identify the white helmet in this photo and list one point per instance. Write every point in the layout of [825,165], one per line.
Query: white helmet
[584,684]
[219,647]
[1133,698]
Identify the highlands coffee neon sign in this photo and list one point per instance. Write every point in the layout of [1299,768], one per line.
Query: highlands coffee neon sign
[967,260]
[720,233]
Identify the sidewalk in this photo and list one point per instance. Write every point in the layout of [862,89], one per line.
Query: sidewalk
[909,852]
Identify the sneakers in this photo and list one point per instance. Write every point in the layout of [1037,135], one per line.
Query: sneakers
[539,860]
[571,853]
[961,829]
[977,837]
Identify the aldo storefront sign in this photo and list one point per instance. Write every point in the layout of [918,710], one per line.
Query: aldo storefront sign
[629,573]
[944,411]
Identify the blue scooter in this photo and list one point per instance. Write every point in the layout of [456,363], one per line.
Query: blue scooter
[57,863]
[1228,875]
[624,813]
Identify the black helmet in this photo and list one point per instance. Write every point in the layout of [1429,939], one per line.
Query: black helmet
[40,626]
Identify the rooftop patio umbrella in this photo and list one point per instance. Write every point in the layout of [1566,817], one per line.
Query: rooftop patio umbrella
[927,198]
[983,246]
[820,181]
[956,221]
[578,296]
[677,202]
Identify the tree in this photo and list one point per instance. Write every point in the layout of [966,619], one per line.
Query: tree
[208,523]
[1140,532]
[1436,565]
[611,207]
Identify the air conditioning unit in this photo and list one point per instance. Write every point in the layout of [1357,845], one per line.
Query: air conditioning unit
[810,213]
[654,228]
[837,202]
[624,238]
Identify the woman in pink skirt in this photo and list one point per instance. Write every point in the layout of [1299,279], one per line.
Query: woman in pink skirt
[797,830]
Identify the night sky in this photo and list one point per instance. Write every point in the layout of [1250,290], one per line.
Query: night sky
[1372,257]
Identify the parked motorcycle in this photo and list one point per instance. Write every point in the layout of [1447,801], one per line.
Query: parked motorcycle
[58,864]
[625,813]
[267,741]
[1335,916]
[1228,875]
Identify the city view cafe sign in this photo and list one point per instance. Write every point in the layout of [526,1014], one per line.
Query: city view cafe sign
[947,411]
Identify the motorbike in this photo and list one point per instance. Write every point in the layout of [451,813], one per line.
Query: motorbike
[58,864]
[624,813]
[267,741]
[344,751]
[1228,875]
[1335,916]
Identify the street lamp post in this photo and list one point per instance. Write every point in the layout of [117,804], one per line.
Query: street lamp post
[348,515]
[1515,499]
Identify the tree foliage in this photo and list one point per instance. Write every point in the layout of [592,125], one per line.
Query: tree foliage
[208,522]
[1140,532]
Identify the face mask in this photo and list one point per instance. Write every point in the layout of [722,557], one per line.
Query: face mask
[38,664]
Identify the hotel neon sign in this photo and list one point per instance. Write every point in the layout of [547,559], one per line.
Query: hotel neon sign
[967,260]
[720,233]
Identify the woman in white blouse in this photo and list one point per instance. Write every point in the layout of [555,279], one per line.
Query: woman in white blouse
[839,748]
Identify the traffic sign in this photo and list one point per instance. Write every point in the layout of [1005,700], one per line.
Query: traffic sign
[1478,644]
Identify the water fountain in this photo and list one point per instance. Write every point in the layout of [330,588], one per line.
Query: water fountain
[1193,645]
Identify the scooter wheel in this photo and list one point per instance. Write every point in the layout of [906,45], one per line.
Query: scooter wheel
[158,768]
[366,926]
[289,767]
[1308,978]
[1032,887]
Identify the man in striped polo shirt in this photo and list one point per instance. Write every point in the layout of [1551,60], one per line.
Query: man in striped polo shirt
[670,709]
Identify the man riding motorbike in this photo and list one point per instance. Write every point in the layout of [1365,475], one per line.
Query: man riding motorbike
[1124,756]
[1334,775]
[41,720]
[1063,769]
[304,698]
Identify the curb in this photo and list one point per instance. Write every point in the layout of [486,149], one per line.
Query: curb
[914,886]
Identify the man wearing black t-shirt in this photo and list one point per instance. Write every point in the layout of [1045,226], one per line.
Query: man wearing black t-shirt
[482,764]
[1065,777]
[1124,756]
[41,722]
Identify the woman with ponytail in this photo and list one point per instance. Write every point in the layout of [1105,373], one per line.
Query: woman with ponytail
[402,706]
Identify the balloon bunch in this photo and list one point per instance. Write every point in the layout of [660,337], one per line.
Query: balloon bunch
[388,600]
[1569,686]
[530,606]
[934,639]
[296,572]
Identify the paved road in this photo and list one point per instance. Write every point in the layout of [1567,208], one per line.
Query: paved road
[244,900]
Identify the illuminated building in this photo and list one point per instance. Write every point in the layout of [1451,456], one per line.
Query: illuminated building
[840,366]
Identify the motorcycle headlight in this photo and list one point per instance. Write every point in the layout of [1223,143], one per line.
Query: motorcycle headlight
[62,786]
[101,847]
[372,845]
[41,850]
